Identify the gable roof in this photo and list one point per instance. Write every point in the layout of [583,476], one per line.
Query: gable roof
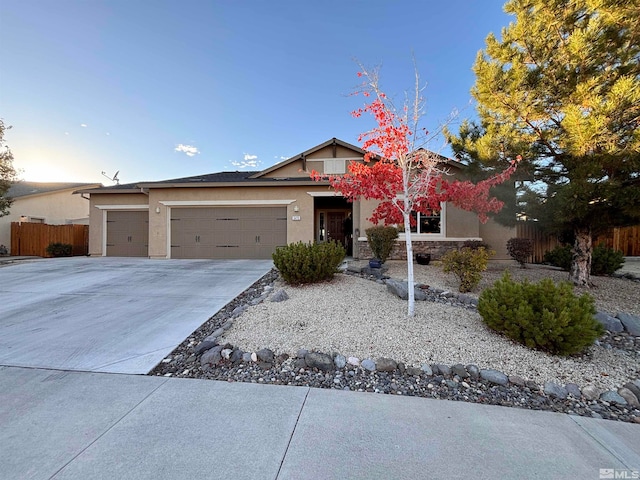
[238,178]
[25,189]
[302,156]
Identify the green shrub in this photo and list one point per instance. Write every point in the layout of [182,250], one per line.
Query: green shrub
[559,257]
[381,240]
[467,264]
[476,244]
[58,249]
[308,262]
[604,261]
[542,316]
[520,249]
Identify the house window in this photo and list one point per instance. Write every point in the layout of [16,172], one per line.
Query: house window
[334,166]
[427,223]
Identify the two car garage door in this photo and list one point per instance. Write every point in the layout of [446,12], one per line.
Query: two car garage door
[227,232]
[220,233]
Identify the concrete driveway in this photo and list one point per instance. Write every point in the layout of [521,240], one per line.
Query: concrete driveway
[111,314]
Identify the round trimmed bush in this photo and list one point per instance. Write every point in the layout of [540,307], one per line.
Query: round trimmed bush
[543,316]
[467,264]
[381,241]
[300,262]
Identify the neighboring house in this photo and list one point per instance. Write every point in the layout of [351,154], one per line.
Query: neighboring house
[248,214]
[52,203]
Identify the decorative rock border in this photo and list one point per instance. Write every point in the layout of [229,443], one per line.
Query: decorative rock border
[200,356]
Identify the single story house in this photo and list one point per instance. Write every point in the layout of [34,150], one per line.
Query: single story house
[51,203]
[247,214]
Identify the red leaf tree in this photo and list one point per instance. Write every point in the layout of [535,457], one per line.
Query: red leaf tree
[402,175]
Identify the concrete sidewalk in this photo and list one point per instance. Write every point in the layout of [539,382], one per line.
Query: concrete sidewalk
[631,265]
[78,425]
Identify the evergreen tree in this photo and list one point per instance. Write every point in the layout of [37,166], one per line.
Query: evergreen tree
[562,89]
[7,172]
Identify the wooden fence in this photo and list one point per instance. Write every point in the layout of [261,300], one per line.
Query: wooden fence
[33,238]
[626,240]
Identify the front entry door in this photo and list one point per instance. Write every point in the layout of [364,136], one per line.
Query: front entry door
[335,227]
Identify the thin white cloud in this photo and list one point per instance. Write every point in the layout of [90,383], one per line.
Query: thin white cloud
[249,161]
[107,133]
[189,150]
[280,157]
[84,125]
[253,163]
[66,133]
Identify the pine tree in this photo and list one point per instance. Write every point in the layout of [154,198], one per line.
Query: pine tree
[562,89]
[7,172]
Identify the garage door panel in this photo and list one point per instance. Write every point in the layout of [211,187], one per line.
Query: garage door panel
[229,232]
[127,233]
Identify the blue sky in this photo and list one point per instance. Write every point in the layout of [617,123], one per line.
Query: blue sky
[163,89]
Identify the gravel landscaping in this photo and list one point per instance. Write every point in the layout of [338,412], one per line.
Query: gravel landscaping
[353,333]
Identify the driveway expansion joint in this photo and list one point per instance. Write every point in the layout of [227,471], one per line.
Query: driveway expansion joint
[293,432]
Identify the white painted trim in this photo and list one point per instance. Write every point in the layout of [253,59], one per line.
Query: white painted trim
[428,238]
[168,222]
[336,158]
[104,233]
[122,207]
[324,194]
[221,203]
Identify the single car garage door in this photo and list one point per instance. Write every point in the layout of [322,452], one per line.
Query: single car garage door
[127,234]
[227,232]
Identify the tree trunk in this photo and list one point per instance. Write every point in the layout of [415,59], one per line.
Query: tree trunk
[580,273]
[410,288]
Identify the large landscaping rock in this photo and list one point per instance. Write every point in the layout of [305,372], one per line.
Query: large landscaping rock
[458,369]
[213,356]
[318,360]
[629,396]
[631,323]
[398,288]
[279,296]
[613,397]
[494,376]
[555,390]
[265,355]
[386,365]
[610,323]
[204,346]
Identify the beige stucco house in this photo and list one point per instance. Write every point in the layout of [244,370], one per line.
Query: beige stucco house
[51,203]
[248,214]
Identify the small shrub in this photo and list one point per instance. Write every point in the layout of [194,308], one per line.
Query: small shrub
[520,250]
[308,262]
[467,264]
[381,240]
[560,256]
[542,316]
[476,244]
[604,261]
[3,250]
[58,249]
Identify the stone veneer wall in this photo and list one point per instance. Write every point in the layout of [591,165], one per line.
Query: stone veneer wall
[436,248]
